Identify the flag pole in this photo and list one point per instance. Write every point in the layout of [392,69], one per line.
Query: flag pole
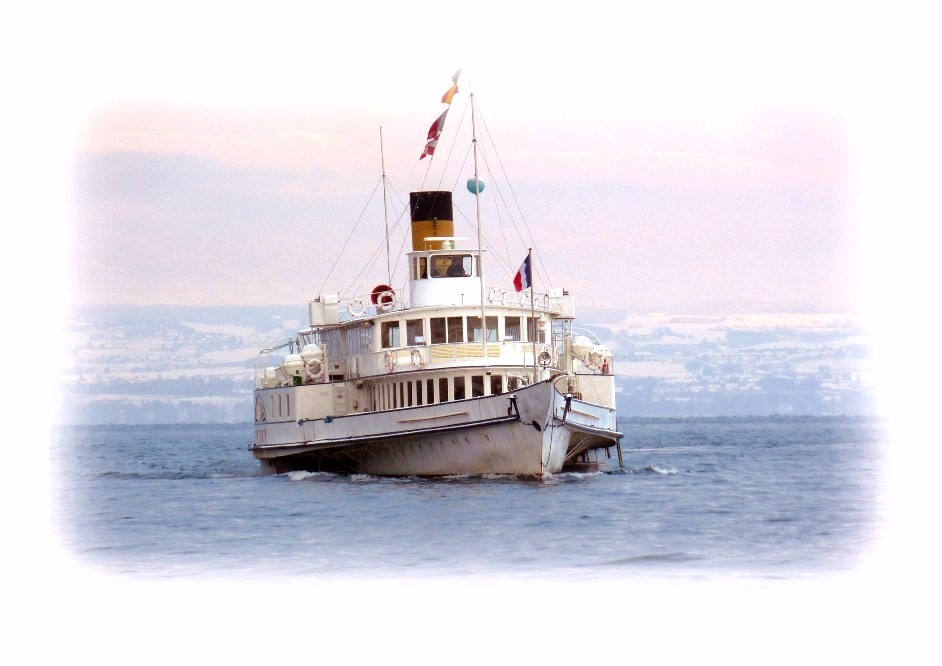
[382,158]
[532,308]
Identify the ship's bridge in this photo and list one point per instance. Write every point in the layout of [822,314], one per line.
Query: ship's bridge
[444,276]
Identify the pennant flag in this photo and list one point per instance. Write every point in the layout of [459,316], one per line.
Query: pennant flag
[429,148]
[436,129]
[524,278]
[433,133]
[437,126]
[446,98]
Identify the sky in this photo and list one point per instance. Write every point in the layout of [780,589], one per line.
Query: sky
[676,158]
[665,155]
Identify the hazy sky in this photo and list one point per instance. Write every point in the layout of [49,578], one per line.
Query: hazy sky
[668,157]
[665,159]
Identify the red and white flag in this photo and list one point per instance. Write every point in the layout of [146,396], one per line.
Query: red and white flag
[433,133]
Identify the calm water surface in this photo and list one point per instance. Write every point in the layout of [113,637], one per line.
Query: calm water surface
[768,497]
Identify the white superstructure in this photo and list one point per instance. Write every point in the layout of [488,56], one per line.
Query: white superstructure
[428,380]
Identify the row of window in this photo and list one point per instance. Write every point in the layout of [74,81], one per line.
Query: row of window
[413,393]
[440,330]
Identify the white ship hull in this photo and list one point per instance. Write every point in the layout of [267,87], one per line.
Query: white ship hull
[533,431]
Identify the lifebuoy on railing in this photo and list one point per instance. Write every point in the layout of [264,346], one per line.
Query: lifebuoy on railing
[314,369]
[389,361]
[383,297]
[386,300]
[593,359]
[497,295]
[416,357]
[356,307]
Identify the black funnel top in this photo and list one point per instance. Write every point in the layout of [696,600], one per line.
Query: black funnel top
[425,206]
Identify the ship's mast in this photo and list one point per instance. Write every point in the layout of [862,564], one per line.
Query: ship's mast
[477,205]
[382,158]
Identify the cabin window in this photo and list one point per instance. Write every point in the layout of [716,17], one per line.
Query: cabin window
[437,330]
[443,389]
[512,329]
[513,383]
[455,329]
[539,335]
[442,329]
[409,402]
[402,396]
[430,391]
[474,329]
[459,388]
[418,392]
[496,384]
[358,339]
[477,386]
[423,267]
[389,330]
[415,333]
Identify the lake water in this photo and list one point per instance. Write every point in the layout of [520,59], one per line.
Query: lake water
[777,497]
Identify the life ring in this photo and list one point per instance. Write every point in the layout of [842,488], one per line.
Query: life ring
[383,296]
[314,368]
[389,361]
[508,299]
[593,359]
[259,409]
[497,295]
[525,299]
[416,357]
[356,307]
[386,300]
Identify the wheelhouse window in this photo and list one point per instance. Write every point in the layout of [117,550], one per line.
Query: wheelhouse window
[415,333]
[474,329]
[419,268]
[452,265]
[389,330]
[477,386]
[459,388]
[443,389]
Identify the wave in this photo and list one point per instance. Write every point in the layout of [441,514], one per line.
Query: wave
[660,469]
[658,558]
